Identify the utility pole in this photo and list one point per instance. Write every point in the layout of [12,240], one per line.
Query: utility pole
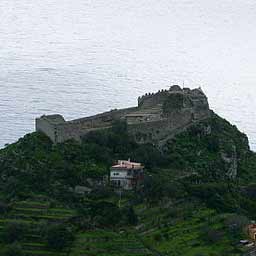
[120,198]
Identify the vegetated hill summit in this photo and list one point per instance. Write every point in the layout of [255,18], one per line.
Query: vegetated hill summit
[198,197]
[157,117]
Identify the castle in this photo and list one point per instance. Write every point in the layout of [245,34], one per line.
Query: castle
[158,117]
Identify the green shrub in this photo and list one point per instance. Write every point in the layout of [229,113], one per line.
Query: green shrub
[157,237]
[58,236]
[4,208]
[174,102]
[105,213]
[14,231]
[212,235]
[131,216]
[236,224]
[13,250]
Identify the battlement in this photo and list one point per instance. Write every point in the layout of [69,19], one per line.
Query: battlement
[157,115]
[152,99]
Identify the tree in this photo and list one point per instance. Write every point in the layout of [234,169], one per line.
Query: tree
[153,189]
[58,236]
[4,208]
[236,223]
[131,216]
[13,250]
[211,235]
[105,213]
[14,231]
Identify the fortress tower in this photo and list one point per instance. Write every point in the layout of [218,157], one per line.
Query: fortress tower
[157,117]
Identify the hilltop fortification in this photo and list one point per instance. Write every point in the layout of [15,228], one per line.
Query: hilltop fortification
[157,117]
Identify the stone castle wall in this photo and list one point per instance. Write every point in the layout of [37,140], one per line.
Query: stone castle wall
[64,130]
[157,131]
[46,127]
[150,99]
[147,123]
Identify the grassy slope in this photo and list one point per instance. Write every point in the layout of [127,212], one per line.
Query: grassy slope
[108,243]
[33,214]
[186,236]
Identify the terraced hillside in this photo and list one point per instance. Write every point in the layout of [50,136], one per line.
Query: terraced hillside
[33,215]
[205,232]
[108,243]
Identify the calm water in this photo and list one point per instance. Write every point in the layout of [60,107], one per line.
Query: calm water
[81,57]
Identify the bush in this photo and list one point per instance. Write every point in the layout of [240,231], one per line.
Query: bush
[212,235]
[13,250]
[14,231]
[174,102]
[105,213]
[131,216]
[174,212]
[157,237]
[58,236]
[4,208]
[236,223]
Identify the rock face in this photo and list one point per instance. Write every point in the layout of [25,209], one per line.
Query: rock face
[232,162]
[157,117]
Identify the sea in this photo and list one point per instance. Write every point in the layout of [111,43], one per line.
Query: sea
[82,57]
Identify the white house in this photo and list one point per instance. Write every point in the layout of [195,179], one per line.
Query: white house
[127,175]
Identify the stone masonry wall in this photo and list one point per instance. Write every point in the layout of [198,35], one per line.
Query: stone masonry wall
[154,132]
[147,122]
[78,128]
[46,127]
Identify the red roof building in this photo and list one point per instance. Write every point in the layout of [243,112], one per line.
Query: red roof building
[127,175]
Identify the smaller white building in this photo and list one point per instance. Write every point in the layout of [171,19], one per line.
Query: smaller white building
[127,175]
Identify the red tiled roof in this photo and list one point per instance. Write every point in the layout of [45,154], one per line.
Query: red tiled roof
[128,165]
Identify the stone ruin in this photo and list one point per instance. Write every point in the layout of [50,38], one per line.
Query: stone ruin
[158,117]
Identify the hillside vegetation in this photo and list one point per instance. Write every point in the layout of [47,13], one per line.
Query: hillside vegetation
[198,196]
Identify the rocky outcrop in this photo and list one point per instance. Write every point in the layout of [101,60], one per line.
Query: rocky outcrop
[231,161]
